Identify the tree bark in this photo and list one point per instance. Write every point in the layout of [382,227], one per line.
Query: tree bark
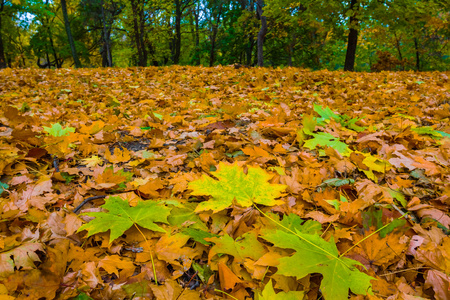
[138,26]
[107,57]
[177,42]
[416,46]
[2,50]
[349,64]
[69,34]
[215,28]
[196,60]
[262,32]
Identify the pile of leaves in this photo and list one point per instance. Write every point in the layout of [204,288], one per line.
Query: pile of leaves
[212,183]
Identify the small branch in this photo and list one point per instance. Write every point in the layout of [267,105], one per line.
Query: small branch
[87,200]
[56,163]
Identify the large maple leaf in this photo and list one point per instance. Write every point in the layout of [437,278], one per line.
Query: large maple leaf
[121,216]
[22,257]
[235,185]
[315,255]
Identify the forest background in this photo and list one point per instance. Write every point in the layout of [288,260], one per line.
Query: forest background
[360,35]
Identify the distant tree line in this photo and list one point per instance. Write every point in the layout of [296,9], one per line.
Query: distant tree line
[360,35]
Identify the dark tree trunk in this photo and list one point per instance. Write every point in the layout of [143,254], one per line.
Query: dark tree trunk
[215,28]
[151,51]
[262,32]
[177,41]
[167,57]
[349,64]
[69,34]
[212,53]
[2,49]
[138,26]
[416,46]
[106,55]
[55,55]
[196,60]
[397,45]
[56,61]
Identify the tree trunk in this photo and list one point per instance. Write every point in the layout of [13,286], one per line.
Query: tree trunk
[196,60]
[397,45]
[215,28]
[177,42]
[2,50]
[416,46]
[262,32]
[69,34]
[107,57]
[349,64]
[139,33]
[212,52]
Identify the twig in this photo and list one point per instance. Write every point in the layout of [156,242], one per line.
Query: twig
[56,163]
[87,200]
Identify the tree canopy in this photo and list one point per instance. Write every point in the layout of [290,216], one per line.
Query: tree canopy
[354,35]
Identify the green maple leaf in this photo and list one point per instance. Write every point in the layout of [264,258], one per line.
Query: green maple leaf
[326,139]
[325,114]
[121,216]
[315,255]
[235,185]
[269,294]
[246,246]
[56,130]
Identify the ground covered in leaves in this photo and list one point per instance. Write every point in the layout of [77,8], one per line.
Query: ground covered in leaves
[224,183]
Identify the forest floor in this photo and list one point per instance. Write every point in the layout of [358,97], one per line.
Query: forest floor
[236,183]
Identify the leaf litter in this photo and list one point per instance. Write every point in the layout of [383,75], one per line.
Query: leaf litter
[211,183]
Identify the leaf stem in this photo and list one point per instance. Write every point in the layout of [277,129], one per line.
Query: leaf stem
[216,290]
[150,250]
[302,238]
[362,240]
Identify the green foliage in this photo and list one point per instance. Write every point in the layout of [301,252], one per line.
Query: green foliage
[82,296]
[326,114]
[373,217]
[3,187]
[310,34]
[269,294]
[234,186]
[428,130]
[326,139]
[315,255]
[57,130]
[246,246]
[120,217]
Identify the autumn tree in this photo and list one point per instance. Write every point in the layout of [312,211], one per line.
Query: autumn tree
[69,34]
[100,16]
[352,41]
[180,9]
